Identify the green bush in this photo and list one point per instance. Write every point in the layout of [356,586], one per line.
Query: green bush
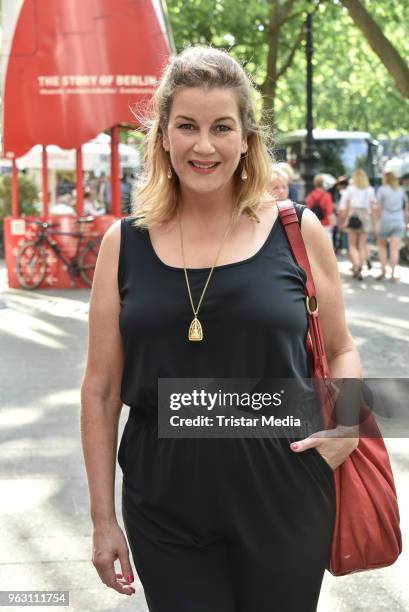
[27,197]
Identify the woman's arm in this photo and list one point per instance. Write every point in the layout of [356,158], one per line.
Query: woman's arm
[375,215]
[342,210]
[343,357]
[374,209]
[100,410]
[348,205]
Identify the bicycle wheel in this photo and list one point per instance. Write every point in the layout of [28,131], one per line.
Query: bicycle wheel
[87,262]
[31,265]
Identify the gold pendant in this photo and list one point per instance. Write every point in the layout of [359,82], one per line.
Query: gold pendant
[195,330]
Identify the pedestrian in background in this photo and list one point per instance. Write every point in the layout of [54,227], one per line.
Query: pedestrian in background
[126,193]
[393,216]
[339,237]
[289,172]
[279,188]
[91,204]
[321,204]
[104,193]
[64,205]
[404,182]
[359,198]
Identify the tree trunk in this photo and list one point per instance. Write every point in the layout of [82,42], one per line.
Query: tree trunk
[268,88]
[389,56]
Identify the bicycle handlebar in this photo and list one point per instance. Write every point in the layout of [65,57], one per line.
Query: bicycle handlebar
[46,224]
[43,224]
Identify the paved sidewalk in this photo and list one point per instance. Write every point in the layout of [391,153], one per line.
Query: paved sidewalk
[45,539]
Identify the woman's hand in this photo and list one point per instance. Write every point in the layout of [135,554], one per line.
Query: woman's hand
[109,544]
[332,444]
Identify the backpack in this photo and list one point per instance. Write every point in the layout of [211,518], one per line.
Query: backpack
[317,208]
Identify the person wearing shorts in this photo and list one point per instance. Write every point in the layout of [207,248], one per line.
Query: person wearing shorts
[393,218]
[359,199]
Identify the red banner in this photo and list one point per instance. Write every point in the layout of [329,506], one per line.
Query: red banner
[74,67]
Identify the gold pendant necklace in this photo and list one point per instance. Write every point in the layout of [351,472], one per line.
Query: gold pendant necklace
[195,333]
[195,330]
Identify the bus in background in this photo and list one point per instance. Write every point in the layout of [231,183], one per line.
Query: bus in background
[338,153]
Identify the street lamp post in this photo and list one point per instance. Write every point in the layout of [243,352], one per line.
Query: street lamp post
[310,155]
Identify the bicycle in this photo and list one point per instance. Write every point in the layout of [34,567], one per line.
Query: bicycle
[31,258]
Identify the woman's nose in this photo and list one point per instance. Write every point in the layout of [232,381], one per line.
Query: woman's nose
[203,144]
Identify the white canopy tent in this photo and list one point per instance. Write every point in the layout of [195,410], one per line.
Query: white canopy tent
[96,157]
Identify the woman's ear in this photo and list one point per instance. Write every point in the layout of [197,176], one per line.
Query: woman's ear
[244,146]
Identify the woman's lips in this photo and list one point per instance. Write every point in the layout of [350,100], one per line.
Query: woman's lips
[203,170]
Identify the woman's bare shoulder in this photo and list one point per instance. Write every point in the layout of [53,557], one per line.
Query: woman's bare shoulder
[108,257]
[111,240]
[113,232]
[267,203]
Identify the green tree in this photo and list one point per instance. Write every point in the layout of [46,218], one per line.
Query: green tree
[352,87]
[384,49]
[260,35]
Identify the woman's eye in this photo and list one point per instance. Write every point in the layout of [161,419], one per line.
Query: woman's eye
[190,126]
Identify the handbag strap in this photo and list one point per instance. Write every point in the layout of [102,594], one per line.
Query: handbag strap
[315,345]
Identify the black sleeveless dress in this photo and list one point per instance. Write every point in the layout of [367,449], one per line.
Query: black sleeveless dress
[218,525]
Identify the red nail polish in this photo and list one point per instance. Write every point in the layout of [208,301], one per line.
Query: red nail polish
[294,445]
[130,578]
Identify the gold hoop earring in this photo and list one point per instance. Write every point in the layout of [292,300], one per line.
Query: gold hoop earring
[170,174]
[244,176]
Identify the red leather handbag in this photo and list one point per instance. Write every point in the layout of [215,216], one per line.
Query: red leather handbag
[366,531]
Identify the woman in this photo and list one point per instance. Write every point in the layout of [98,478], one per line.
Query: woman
[394,215]
[359,219]
[228,525]
[286,169]
[279,186]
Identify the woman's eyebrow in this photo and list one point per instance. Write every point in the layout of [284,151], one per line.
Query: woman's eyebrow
[219,119]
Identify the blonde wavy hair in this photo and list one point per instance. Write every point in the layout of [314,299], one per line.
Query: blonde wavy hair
[155,198]
[360,179]
[390,179]
[278,174]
